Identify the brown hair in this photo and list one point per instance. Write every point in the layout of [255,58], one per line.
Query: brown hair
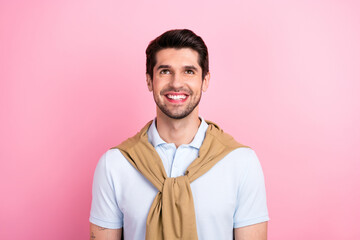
[178,38]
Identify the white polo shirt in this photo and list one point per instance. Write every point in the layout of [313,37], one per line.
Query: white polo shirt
[230,195]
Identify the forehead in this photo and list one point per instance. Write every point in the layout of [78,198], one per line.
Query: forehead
[173,57]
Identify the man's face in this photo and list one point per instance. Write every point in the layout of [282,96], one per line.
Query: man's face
[177,82]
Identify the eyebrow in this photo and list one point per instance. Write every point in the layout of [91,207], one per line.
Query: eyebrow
[163,66]
[192,67]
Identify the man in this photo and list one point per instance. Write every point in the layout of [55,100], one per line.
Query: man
[180,177]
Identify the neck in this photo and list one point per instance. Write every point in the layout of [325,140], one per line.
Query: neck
[177,131]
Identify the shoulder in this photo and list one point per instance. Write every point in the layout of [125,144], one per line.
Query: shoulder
[243,154]
[222,138]
[112,160]
[112,156]
[243,161]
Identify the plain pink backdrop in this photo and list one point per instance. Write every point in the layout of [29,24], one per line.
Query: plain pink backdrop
[285,80]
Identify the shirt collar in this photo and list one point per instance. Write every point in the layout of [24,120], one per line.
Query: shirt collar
[155,139]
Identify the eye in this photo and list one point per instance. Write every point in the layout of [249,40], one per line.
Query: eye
[189,72]
[165,71]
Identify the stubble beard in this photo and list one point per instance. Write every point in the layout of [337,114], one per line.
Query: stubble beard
[179,115]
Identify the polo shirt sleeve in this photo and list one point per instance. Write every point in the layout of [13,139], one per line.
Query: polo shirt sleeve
[251,205]
[105,211]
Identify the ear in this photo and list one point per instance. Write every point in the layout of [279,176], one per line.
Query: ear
[149,82]
[205,83]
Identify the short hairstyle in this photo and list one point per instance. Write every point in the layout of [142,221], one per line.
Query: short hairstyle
[178,38]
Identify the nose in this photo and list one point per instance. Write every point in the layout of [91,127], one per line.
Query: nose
[176,81]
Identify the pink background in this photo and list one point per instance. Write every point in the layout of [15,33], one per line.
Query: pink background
[285,80]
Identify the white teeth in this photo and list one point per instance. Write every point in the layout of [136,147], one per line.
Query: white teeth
[176,97]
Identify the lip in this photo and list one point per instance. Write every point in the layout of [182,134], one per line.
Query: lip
[176,101]
[176,93]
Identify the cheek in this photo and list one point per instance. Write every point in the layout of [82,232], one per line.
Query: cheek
[156,84]
[157,88]
[196,85]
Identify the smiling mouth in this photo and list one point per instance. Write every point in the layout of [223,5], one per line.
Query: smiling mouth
[176,98]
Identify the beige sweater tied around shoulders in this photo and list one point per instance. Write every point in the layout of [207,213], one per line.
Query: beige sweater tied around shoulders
[172,213]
